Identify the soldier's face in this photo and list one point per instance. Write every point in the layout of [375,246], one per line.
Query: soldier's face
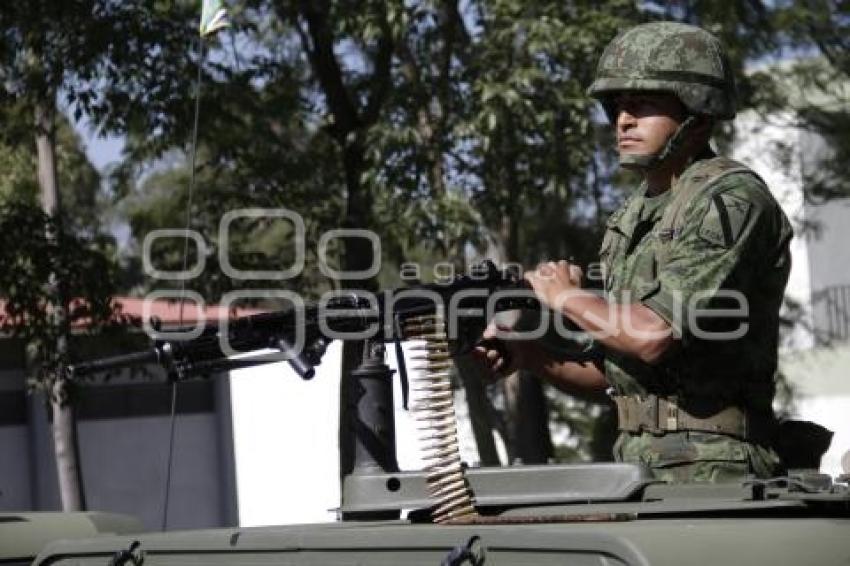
[645,121]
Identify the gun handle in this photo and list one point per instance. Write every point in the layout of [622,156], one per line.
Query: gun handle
[297,360]
[499,346]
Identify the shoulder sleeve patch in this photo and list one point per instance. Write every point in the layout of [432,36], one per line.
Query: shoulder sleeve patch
[725,220]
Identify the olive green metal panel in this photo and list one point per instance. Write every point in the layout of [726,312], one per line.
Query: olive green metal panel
[23,535]
[569,517]
[514,485]
[683,542]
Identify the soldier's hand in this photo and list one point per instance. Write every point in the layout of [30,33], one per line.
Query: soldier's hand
[500,357]
[552,280]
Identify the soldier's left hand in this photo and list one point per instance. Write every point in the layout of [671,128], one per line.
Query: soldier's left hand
[552,281]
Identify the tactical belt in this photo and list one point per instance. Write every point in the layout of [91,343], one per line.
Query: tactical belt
[659,415]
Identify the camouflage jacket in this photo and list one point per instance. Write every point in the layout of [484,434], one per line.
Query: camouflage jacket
[727,251]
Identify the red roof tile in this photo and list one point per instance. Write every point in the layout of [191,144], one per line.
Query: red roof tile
[132,310]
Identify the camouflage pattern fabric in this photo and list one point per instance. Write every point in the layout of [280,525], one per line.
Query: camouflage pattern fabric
[670,57]
[732,237]
[682,457]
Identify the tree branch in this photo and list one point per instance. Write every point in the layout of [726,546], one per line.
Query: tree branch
[381,78]
[327,68]
[460,33]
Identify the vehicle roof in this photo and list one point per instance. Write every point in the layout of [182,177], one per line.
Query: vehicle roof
[597,514]
[681,541]
[23,535]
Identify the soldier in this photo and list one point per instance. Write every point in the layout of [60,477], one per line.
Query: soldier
[694,263]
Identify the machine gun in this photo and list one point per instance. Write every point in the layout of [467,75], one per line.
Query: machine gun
[448,317]
[301,334]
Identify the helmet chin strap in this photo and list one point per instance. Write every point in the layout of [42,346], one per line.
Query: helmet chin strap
[647,162]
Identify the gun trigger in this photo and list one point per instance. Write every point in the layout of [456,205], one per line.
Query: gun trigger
[402,368]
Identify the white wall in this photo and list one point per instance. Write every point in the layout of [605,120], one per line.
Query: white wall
[285,443]
[821,380]
[780,152]
[286,440]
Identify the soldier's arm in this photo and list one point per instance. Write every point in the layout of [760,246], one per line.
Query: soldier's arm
[578,378]
[718,249]
[631,329]
[583,377]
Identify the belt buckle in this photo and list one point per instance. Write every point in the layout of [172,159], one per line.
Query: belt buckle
[661,415]
[649,420]
[672,418]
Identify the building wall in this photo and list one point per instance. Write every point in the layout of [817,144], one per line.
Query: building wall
[819,377]
[829,252]
[286,436]
[15,457]
[123,433]
[829,263]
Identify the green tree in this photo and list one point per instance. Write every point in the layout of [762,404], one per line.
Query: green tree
[78,180]
[529,128]
[79,50]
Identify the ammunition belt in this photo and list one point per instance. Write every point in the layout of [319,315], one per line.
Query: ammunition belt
[659,415]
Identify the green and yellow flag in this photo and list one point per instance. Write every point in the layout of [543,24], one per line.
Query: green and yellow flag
[213,17]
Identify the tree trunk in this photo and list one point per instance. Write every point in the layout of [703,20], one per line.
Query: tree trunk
[64,424]
[431,117]
[473,376]
[525,400]
[528,424]
[45,141]
[66,449]
[351,120]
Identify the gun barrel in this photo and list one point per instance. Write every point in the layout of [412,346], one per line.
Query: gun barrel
[114,363]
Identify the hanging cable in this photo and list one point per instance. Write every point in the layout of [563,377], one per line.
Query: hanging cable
[193,155]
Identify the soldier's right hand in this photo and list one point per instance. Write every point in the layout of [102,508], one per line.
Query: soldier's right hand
[500,357]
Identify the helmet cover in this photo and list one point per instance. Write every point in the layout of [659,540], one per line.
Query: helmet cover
[680,59]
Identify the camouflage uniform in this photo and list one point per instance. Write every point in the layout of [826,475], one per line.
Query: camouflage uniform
[727,233]
[731,237]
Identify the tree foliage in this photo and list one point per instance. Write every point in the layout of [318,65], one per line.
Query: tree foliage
[469,120]
[791,58]
[35,249]
[79,182]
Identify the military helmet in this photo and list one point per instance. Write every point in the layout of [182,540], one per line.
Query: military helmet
[668,57]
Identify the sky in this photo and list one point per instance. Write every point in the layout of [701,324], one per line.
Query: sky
[101,151]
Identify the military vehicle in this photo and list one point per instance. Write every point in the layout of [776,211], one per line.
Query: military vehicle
[581,514]
[448,514]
